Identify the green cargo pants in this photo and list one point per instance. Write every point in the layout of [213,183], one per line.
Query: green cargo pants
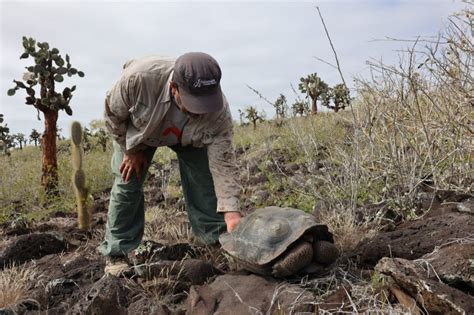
[126,215]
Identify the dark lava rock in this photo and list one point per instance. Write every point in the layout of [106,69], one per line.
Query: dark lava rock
[248,294]
[432,295]
[58,289]
[257,179]
[61,284]
[23,248]
[148,306]
[150,251]
[412,240]
[453,264]
[101,204]
[27,306]
[109,295]
[18,226]
[338,301]
[193,271]
[466,206]
[260,196]
[154,194]
[452,196]
[290,168]
[75,280]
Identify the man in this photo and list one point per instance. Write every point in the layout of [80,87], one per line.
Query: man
[159,101]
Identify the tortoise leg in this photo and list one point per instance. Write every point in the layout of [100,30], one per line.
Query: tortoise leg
[324,252]
[294,260]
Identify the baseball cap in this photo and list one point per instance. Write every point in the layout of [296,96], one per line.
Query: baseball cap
[198,77]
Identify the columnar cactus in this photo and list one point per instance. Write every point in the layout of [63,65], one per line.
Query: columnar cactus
[79,177]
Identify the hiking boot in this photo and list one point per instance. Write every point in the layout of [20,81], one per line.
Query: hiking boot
[117,266]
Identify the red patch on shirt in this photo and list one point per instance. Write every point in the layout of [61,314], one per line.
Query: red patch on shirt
[174,131]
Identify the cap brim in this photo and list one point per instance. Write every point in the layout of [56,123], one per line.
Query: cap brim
[202,104]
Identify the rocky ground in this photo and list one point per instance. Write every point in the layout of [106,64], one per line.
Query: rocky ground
[419,266]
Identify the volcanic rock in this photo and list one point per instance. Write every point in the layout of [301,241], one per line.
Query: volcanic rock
[23,248]
[412,240]
[432,295]
[247,294]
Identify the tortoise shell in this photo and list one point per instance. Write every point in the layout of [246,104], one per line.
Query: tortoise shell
[265,234]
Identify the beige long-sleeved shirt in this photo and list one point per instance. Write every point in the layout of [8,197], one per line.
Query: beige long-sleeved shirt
[136,105]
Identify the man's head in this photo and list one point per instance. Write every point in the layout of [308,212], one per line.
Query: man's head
[196,83]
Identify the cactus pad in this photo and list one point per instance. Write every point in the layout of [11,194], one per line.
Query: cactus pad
[76,133]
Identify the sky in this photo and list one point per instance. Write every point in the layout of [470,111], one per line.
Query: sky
[267,45]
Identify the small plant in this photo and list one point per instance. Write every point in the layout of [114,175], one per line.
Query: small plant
[241,116]
[281,107]
[35,137]
[86,135]
[102,139]
[377,281]
[79,177]
[20,138]
[300,108]
[336,98]
[6,140]
[59,136]
[14,282]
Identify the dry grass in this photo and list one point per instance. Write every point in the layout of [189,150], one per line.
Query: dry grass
[14,283]
[167,224]
[20,181]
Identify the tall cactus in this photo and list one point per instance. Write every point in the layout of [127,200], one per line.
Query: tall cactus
[314,87]
[79,177]
[40,84]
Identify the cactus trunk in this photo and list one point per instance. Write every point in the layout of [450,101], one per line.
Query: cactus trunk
[49,178]
[314,107]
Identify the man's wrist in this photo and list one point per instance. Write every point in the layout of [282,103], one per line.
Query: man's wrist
[232,214]
[232,219]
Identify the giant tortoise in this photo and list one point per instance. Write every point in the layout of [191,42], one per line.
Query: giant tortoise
[280,242]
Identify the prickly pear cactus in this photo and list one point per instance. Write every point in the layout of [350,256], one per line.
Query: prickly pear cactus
[40,84]
[79,177]
[314,87]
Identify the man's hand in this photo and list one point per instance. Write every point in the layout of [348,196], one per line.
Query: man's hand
[133,162]
[232,219]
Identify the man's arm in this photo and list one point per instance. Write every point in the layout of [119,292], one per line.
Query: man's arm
[118,102]
[223,166]
[116,114]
